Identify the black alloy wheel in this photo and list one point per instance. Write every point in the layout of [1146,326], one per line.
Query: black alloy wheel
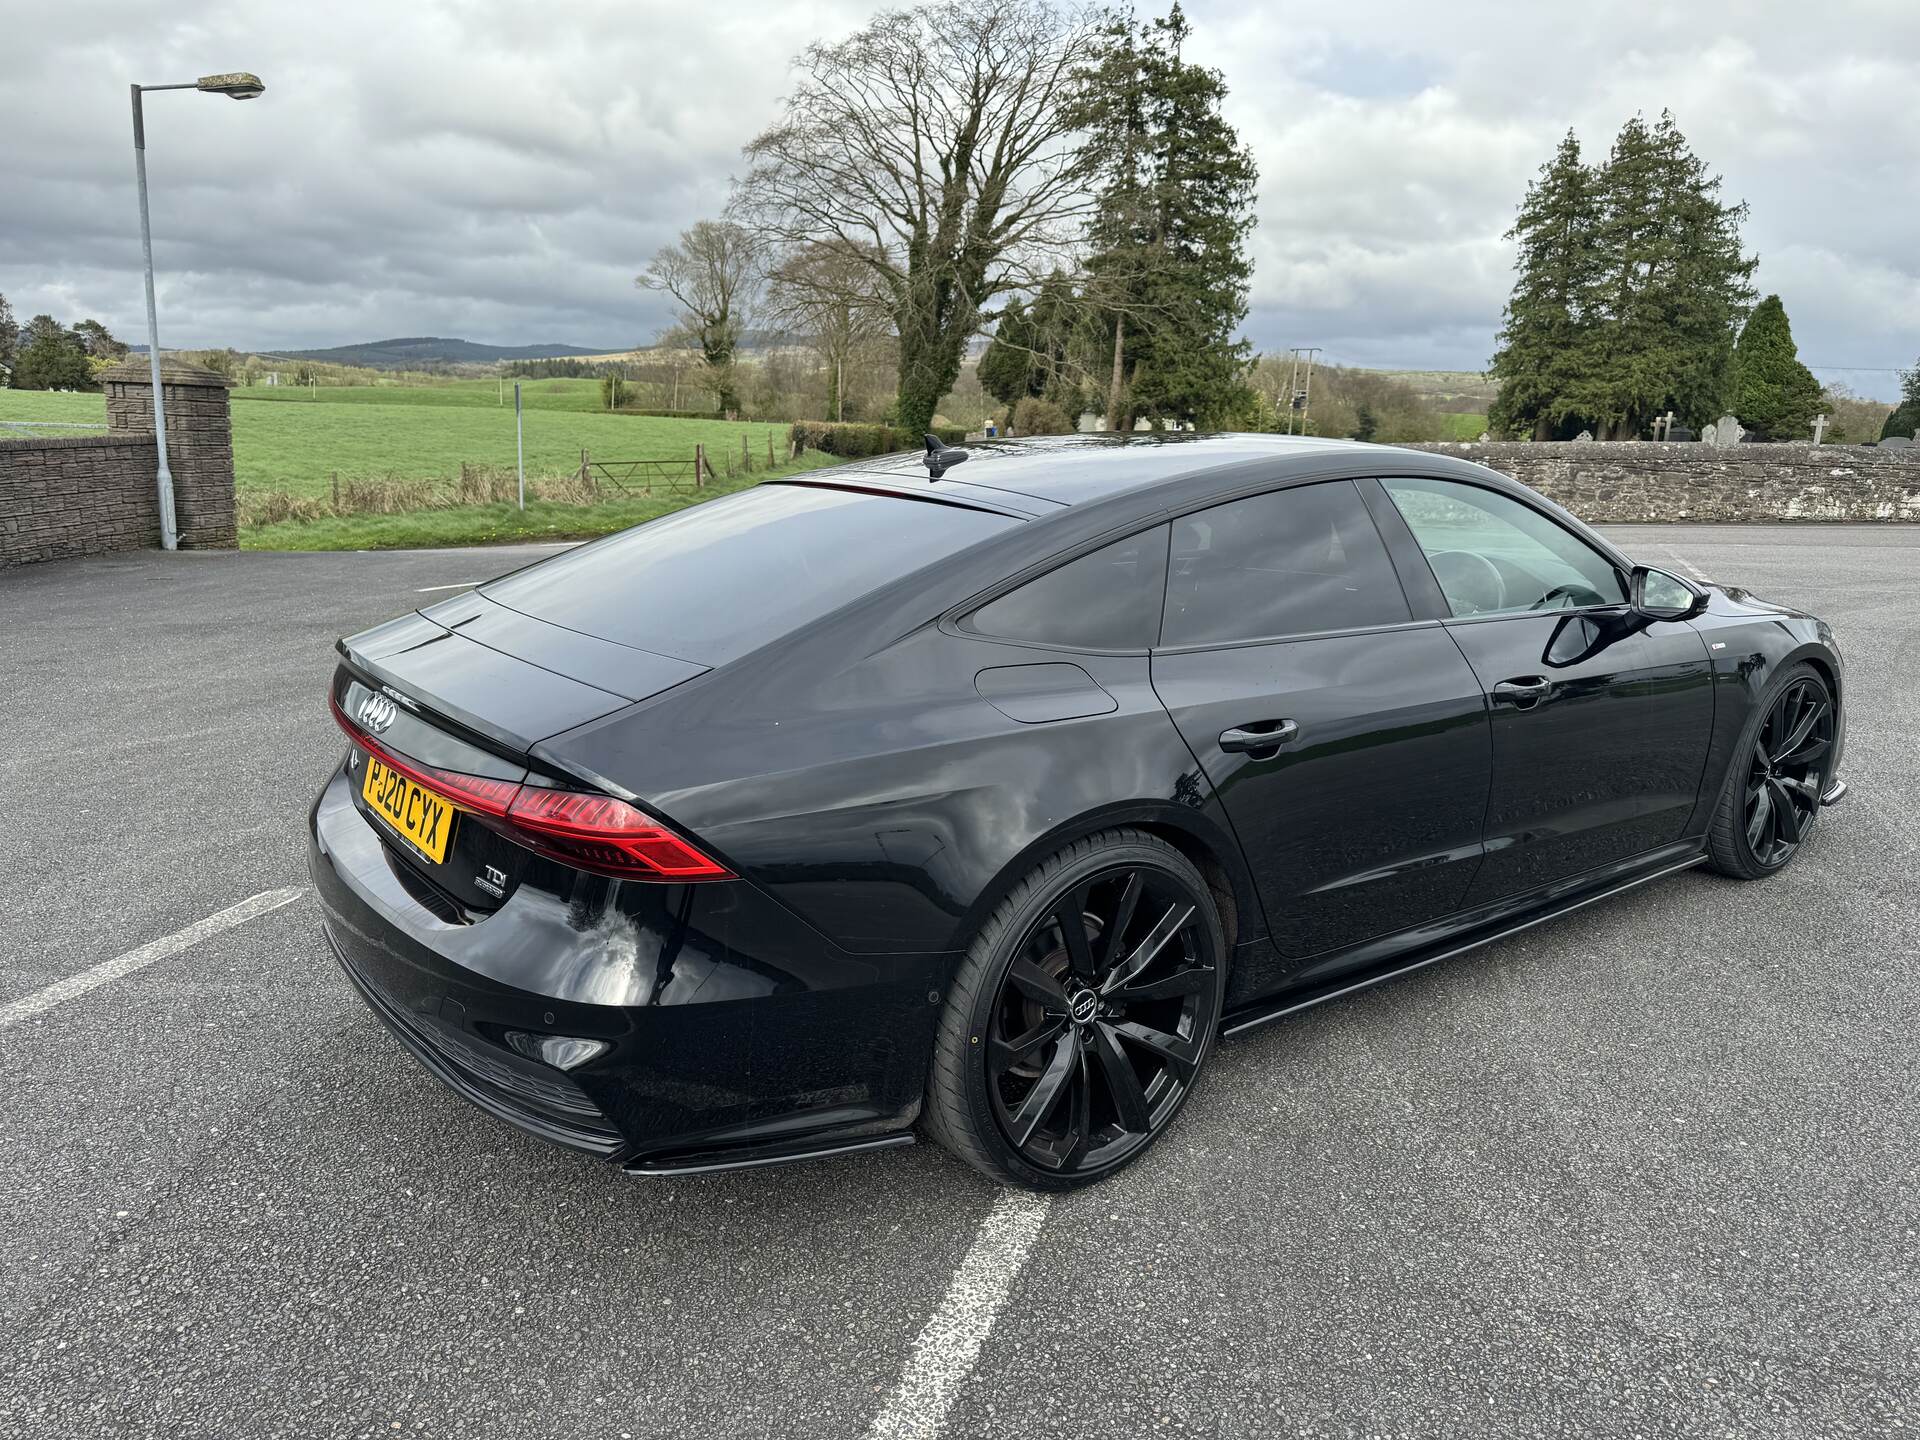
[1787,771]
[1106,983]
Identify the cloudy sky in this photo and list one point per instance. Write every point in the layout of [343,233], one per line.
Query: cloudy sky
[500,171]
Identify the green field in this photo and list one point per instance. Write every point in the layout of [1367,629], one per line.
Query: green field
[490,394]
[296,446]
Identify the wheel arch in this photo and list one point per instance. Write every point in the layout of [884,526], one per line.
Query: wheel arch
[1212,850]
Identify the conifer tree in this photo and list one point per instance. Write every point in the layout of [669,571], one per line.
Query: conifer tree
[1773,393]
[1547,345]
[1631,288]
[1169,270]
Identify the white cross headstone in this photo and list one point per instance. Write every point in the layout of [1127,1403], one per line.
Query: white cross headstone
[1819,427]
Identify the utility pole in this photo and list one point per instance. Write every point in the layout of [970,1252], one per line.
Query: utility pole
[1299,395]
[1306,390]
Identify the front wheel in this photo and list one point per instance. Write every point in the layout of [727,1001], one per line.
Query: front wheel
[1079,1020]
[1771,799]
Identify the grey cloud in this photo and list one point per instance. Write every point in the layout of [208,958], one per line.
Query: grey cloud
[501,171]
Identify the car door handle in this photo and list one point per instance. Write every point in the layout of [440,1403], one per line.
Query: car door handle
[1261,735]
[1525,692]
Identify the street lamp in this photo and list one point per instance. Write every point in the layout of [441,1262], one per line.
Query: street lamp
[237,85]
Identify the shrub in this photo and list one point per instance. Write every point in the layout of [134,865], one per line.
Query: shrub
[1037,416]
[1904,420]
[856,442]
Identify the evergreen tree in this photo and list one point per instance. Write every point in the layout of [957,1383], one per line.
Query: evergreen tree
[9,341]
[1006,370]
[1677,285]
[1905,419]
[1772,393]
[1548,343]
[1169,270]
[51,358]
[1630,291]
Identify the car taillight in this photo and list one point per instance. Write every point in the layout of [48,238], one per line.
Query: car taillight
[576,827]
[608,835]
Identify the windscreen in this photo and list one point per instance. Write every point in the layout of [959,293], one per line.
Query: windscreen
[713,581]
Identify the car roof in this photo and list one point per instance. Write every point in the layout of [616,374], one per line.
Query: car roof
[1058,470]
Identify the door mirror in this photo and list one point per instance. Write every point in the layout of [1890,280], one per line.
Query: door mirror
[1662,595]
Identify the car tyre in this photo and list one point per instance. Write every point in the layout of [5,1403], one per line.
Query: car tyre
[1081,1015]
[1769,803]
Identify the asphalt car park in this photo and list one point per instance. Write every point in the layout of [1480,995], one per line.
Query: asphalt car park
[1642,1170]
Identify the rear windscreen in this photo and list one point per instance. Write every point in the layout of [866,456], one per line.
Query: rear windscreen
[714,581]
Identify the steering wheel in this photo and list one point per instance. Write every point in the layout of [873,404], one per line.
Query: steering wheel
[1471,582]
[1581,596]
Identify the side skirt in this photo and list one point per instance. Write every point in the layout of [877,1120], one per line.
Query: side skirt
[712,1161]
[1288,1004]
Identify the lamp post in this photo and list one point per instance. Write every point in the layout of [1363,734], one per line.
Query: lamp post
[235,86]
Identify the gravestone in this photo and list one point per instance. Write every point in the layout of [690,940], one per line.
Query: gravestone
[1680,434]
[1584,435]
[1725,433]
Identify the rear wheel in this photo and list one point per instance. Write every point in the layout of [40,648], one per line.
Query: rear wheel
[1771,801]
[1079,1019]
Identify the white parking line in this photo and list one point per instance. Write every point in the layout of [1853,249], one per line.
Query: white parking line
[1686,564]
[463,585]
[949,1343]
[42,1001]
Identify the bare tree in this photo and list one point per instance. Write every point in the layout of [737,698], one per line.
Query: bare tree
[715,270]
[834,301]
[937,148]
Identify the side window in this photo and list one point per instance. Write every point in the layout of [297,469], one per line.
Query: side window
[1107,600]
[1292,562]
[1495,556]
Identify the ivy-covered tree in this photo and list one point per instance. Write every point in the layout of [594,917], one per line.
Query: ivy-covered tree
[1548,341]
[1168,272]
[1006,370]
[1772,393]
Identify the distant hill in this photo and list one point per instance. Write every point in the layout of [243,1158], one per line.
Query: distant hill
[415,351]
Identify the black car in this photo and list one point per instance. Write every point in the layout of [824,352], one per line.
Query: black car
[982,800]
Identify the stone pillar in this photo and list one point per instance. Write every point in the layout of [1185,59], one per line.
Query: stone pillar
[199,442]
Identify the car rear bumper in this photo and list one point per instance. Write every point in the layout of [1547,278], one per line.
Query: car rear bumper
[721,1030]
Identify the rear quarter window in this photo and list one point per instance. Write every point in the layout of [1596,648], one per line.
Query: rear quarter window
[1108,599]
[714,581]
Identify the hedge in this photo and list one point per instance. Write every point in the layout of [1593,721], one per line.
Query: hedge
[856,442]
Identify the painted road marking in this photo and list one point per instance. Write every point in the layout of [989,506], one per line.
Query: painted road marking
[1687,565]
[949,1343]
[42,1001]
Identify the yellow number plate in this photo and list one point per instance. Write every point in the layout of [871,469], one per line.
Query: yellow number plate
[422,817]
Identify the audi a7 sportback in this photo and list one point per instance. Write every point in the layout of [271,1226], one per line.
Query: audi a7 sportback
[982,798]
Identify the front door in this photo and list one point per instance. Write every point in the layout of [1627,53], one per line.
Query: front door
[1347,741]
[1600,718]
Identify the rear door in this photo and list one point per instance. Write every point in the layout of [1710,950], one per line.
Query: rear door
[1600,719]
[1346,739]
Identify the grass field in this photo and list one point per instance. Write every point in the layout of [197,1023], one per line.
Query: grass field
[488,394]
[296,446]
[495,524]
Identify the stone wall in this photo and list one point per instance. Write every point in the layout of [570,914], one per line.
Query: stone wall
[1650,481]
[76,496]
[80,496]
